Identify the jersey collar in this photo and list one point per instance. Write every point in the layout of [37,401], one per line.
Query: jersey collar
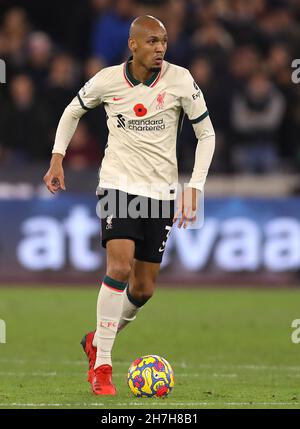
[152,81]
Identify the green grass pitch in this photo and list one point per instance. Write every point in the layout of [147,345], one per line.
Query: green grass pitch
[229,348]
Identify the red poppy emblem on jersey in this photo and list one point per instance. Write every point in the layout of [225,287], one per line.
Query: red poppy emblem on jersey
[140,110]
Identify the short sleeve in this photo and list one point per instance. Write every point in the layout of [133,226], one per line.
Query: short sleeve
[90,95]
[192,100]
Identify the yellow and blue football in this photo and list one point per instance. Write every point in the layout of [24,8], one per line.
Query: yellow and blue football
[150,376]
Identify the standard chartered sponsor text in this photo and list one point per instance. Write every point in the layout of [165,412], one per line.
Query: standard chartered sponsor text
[146,125]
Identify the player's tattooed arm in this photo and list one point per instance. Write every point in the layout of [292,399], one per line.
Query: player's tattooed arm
[54,178]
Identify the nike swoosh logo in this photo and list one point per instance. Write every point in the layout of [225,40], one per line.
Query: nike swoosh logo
[118,98]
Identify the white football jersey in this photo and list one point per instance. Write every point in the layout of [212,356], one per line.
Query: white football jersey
[143,121]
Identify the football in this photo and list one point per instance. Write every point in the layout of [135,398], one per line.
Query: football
[150,376]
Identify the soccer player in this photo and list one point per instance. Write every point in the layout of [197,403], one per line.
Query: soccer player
[143,99]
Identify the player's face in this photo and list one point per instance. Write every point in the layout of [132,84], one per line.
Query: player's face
[150,48]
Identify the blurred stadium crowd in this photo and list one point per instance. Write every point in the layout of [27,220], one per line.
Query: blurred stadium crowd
[239,52]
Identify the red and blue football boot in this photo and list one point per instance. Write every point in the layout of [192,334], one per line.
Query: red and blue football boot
[102,381]
[91,352]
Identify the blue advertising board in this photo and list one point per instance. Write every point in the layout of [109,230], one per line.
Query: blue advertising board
[244,239]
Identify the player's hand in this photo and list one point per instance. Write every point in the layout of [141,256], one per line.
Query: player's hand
[187,207]
[54,178]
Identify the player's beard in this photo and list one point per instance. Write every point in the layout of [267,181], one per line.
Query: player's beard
[155,69]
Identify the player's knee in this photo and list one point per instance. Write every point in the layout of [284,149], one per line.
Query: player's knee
[119,271]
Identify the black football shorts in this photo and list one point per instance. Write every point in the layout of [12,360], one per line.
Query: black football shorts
[146,221]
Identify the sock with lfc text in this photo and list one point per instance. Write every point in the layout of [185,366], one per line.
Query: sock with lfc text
[109,310]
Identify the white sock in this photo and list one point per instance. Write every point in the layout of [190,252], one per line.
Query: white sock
[129,311]
[109,310]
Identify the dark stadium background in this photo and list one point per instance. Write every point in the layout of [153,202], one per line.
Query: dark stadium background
[240,54]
